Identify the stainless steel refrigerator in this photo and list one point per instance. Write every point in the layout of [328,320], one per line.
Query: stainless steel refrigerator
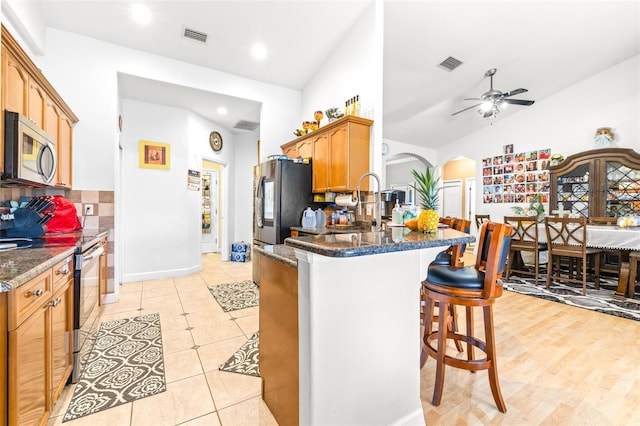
[282,191]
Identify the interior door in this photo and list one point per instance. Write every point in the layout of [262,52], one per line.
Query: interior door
[452,198]
[210,211]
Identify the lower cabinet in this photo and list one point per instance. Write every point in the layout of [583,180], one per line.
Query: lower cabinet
[279,339]
[40,318]
[103,275]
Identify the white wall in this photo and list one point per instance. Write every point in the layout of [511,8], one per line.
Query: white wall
[245,158]
[565,122]
[354,68]
[159,223]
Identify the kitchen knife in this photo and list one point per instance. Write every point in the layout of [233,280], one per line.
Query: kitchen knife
[31,202]
[37,204]
[46,218]
[45,205]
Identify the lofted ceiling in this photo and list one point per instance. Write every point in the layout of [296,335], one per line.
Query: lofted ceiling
[543,46]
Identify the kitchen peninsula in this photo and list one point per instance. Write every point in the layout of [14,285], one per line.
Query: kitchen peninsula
[358,325]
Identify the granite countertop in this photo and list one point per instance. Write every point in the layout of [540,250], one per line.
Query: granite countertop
[279,252]
[332,229]
[21,265]
[369,243]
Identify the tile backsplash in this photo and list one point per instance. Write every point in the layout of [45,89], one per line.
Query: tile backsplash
[103,210]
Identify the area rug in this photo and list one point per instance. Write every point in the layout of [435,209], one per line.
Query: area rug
[245,359]
[125,364]
[571,294]
[234,296]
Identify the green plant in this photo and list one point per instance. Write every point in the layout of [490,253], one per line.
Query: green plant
[536,208]
[427,188]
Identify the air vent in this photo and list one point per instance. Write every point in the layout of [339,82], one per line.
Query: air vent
[195,35]
[246,125]
[450,63]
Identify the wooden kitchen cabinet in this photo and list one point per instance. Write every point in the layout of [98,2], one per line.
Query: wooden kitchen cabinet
[64,176]
[279,366]
[339,153]
[103,275]
[599,182]
[27,91]
[40,323]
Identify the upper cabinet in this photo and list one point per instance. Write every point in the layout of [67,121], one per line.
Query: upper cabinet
[600,182]
[339,153]
[27,91]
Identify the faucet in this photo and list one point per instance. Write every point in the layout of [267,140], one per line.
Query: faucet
[377,225]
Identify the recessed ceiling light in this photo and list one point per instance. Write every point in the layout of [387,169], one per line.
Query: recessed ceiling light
[141,14]
[222,111]
[259,51]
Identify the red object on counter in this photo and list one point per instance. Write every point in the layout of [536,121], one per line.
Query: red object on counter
[65,215]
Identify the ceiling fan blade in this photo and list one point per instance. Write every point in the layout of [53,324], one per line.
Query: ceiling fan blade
[514,92]
[468,108]
[518,102]
[473,99]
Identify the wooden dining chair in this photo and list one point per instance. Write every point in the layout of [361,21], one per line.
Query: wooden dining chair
[524,239]
[603,220]
[610,258]
[471,286]
[566,238]
[480,219]
[634,259]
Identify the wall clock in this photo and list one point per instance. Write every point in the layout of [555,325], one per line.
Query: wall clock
[215,141]
[385,148]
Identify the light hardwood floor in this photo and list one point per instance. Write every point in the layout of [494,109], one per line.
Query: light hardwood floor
[558,364]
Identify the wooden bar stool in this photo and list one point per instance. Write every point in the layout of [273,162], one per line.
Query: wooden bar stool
[472,286]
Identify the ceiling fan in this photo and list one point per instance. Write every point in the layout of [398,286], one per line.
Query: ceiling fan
[491,101]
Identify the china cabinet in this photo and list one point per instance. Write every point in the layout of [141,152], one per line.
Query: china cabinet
[599,182]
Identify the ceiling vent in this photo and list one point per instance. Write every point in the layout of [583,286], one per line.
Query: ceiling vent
[450,63]
[246,125]
[195,35]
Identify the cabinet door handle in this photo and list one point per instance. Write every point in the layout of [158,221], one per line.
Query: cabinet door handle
[55,302]
[63,271]
[39,292]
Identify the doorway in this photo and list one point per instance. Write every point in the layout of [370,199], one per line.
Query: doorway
[451,197]
[211,207]
[471,199]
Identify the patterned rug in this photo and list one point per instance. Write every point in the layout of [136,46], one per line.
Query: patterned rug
[602,300]
[245,360]
[125,364]
[234,296]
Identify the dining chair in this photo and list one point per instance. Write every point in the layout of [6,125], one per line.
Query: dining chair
[566,238]
[480,219]
[471,286]
[524,239]
[634,259]
[610,258]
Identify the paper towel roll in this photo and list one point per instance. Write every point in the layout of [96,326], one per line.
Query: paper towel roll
[346,200]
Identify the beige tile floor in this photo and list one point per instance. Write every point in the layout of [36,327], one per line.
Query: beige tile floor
[197,338]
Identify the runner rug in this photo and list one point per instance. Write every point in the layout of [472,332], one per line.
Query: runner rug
[234,296]
[125,364]
[571,294]
[245,359]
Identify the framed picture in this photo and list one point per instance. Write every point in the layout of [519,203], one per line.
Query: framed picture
[154,155]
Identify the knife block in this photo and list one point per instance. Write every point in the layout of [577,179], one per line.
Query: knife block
[25,224]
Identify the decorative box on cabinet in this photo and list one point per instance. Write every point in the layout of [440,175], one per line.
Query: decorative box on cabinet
[599,182]
[40,324]
[339,153]
[27,91]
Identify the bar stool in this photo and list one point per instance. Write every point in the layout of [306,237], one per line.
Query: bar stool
[471,286]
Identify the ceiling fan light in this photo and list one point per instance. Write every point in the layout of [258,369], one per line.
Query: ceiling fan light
[486,106]
[503,104]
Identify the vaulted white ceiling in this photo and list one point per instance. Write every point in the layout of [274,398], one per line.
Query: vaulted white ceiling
[542,46]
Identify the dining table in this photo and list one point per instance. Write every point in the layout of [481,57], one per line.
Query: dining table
[611,237]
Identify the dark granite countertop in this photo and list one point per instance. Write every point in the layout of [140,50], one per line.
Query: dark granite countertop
[369,243]
[335,229]
[279,252]
[21,265]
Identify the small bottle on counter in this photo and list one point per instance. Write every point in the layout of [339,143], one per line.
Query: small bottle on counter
[396,214]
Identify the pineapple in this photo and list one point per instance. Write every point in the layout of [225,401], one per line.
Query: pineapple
[429,200]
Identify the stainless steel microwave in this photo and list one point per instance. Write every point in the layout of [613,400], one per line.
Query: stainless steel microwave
[29,153]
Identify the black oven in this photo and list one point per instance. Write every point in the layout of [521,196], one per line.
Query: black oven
[86,309]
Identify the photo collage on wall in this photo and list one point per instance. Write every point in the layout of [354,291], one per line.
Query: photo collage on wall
[516,178]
